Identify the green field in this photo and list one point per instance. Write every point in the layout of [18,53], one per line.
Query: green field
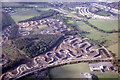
[107,75]
[106,25]
[114,48]
[103,13]
[69,71]
[95,34]
[100,36]
[11,52]
[25,15]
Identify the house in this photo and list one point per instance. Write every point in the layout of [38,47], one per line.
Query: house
[101,66]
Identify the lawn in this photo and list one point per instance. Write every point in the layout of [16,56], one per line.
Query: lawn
[22,15]
[106,25]
[69,71]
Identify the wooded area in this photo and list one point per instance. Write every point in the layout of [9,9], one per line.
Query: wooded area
[35,45]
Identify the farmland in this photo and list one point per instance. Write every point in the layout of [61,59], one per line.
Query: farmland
[103,13]
[107,75]
[69,71]
[106,25]
[114,48]
[25,15]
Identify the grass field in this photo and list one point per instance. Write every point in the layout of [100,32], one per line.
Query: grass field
[10,52]
[106,25]
[114,48]
[107,75]
[103,13]
[25,15]
[69,71]
[100,36]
